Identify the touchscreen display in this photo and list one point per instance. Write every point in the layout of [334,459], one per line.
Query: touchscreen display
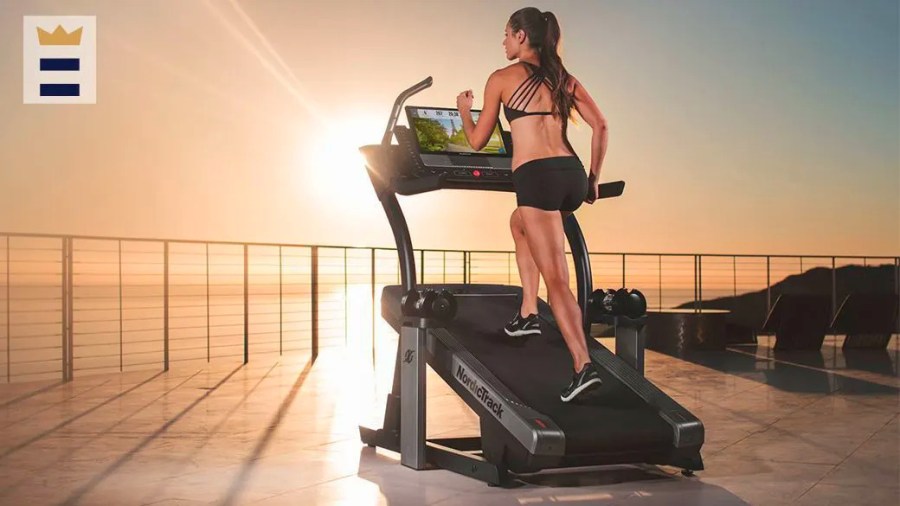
[441,131]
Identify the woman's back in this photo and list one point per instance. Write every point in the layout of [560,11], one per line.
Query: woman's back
[527,103]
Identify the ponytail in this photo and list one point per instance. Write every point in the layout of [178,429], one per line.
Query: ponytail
[551,62]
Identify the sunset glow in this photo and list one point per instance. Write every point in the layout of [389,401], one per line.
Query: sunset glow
[762,127]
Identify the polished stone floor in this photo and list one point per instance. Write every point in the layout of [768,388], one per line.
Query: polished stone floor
[811,428]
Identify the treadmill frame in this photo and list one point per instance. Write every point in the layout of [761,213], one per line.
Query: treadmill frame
[404,428]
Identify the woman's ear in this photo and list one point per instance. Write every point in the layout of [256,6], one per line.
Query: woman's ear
[520,36]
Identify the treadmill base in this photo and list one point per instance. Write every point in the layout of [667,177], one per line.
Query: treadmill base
[464,455]
[461,455]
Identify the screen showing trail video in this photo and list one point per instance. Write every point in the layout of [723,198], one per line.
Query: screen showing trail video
[441,131]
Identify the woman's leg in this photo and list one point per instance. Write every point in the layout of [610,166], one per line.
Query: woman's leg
[545,236]
[528,271]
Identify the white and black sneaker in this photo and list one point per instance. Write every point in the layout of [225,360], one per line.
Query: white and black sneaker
[586,380]
[519,327]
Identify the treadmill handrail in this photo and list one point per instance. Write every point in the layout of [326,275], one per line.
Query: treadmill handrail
[398,105]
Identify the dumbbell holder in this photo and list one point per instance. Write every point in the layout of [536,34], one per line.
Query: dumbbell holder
[630,338]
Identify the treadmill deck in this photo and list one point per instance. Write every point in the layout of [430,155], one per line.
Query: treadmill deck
[612,419]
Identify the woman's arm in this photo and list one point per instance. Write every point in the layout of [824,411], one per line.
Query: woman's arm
[479,134]
[591,114]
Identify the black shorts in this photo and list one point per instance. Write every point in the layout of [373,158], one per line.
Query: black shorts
[557,183]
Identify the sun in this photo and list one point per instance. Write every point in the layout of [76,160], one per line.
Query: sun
[336,166]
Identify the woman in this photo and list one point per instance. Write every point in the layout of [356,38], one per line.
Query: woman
[538,95]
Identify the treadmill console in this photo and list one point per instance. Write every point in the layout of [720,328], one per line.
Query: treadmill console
[399,168]
[456,172]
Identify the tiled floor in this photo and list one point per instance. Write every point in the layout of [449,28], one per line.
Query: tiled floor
[801,427]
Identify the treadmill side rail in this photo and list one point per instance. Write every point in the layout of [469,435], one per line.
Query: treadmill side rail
[687,429]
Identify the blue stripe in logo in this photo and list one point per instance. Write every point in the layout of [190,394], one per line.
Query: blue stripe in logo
[60,64]
[60,90]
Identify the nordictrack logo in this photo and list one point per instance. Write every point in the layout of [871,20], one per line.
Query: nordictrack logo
[480,392]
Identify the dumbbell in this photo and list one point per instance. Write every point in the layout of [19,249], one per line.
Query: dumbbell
[429,304]
[637,304]
[621,302]
[444,306]
[608,302]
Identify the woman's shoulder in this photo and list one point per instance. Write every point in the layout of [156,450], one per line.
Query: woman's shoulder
[511,69]
[572,83]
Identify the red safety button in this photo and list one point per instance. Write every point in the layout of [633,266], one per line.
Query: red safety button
[476,173]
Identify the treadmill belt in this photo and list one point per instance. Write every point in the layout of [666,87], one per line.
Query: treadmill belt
[536,371]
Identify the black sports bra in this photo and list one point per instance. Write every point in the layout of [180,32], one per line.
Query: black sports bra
[520,98]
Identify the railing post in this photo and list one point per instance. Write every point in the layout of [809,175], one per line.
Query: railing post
[246,304]
[768,284]
[700,283]
[695,283]
[64,341]
[897,291]
[465,267]
[166,305]
[833,288]
[734,273]
[8,316]
[71,309]
[372,280]
[346,292]
[314,302]
[660,283]
[280,302]
[121,354]
[422,266]
[207,303]
[623,270]
[63,309]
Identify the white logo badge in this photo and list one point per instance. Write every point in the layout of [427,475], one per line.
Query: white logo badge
[60,59]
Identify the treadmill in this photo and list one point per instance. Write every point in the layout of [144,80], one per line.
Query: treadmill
[514,388]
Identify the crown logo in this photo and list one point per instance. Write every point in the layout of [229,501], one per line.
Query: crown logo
[59,37]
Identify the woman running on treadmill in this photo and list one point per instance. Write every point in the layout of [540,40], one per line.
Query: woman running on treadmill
[538,95]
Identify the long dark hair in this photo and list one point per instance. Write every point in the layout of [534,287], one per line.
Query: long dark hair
[543,33]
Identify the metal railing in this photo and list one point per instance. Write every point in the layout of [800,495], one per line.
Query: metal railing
[72,305]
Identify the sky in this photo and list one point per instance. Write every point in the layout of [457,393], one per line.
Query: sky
[739,126]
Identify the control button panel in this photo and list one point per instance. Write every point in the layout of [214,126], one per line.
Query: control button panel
[480,173]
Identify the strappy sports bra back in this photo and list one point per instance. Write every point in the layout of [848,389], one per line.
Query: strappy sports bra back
[520,98]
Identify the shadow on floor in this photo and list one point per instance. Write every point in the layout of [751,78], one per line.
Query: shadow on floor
[37,391]
[250,462]
[9,451]
[110,470]
[637,484]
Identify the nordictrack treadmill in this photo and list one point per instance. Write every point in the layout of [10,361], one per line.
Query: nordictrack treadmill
[514,389]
